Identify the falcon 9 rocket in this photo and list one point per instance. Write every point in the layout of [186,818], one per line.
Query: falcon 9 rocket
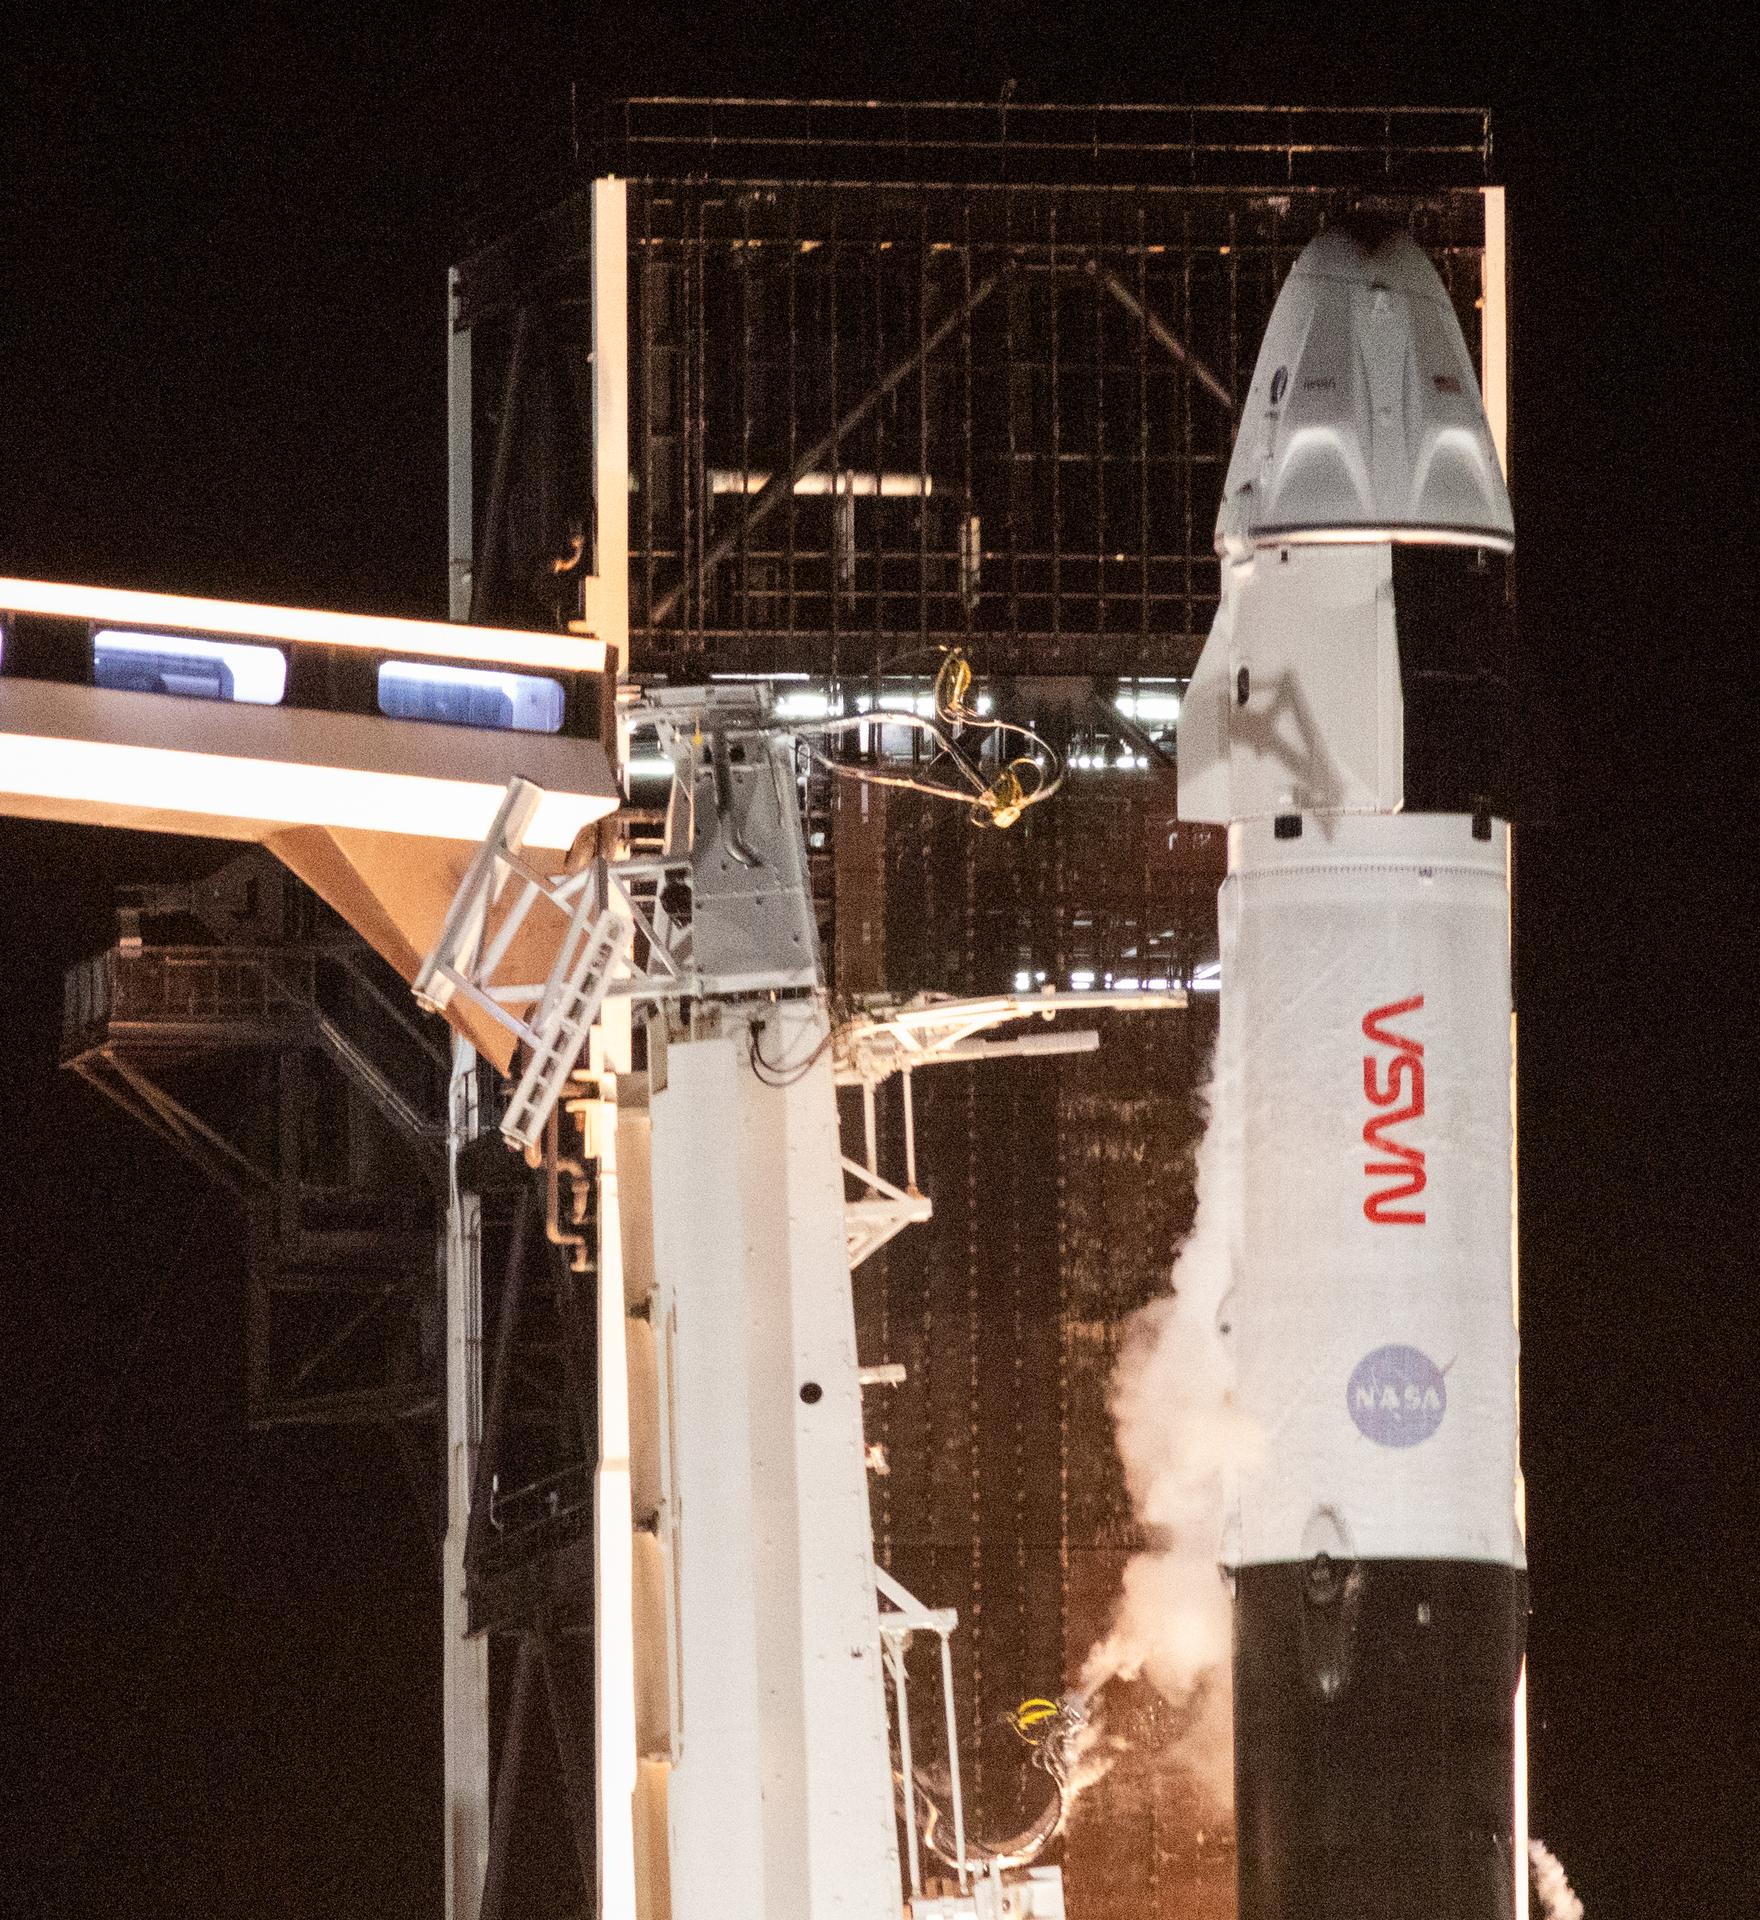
[1346,720]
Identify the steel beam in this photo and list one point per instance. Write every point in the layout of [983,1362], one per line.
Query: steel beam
[495,1415]
[1162,334]
[781,485]
[460,476]
[572,1725]
[495,509]
[465,1660]
[507,1776]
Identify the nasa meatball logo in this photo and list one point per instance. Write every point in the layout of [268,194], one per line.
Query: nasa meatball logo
[1279,385]
[1397,1396]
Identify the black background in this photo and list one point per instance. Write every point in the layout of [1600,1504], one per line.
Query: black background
[222,257]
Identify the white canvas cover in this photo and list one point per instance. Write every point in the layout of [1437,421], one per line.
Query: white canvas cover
[1366,1037]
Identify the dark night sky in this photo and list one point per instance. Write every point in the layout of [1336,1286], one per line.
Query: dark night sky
[221,369]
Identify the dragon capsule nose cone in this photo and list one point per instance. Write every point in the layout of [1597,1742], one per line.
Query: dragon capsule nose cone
[1364,421]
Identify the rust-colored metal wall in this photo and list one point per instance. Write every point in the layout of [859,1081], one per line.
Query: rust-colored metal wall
[1061,1190]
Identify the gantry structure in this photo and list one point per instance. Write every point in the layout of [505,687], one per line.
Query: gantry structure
[895,382]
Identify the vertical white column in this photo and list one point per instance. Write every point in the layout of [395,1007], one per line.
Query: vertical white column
[605,611]
[460,538]
[605,608]
[1494,384]
[465,1671]
[613,1568]
[780,1800]
[1494,326]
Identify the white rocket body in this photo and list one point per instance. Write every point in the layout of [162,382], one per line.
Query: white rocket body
[1373,1536]
[1366,977]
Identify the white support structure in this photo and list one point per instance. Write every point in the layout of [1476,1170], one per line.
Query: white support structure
[460,480]
[605,591]
[933,1029]
[878,1211]
[563,1008]
[615,1755]
[464,1660]
[930,1031]
[600,919]
[901,1615]
[1036,1894]
[744,1754]
[780,1800]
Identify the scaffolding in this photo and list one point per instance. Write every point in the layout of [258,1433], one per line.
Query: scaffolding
[906,378]
[903,378]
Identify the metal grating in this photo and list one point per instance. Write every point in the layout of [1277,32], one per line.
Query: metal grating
[1056,144]
[877,419]
[913,376]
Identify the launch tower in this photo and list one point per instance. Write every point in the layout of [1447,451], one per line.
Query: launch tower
[903,379]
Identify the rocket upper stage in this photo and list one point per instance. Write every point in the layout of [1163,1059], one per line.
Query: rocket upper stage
[1363,421]
[1346,720]
[1363,443]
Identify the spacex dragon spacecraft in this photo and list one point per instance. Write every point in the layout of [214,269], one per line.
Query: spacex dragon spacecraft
[1346,721]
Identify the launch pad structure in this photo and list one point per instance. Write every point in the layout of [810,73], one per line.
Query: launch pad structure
[896,379]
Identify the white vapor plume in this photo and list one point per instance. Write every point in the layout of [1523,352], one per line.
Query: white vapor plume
[1557,1898]
[1179,1434]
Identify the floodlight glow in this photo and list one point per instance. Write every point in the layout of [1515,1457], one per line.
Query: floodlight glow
[1151,707]
[184,613]
[806,705]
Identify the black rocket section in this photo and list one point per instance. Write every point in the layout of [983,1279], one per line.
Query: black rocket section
[1374,1733]
[1456,615]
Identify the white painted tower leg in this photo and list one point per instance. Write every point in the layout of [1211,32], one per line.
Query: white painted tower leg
[614,1625]
[465,1684]
[780,1802]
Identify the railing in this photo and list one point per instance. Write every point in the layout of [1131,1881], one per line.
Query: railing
[901,1615]
[538,1518]
[1006,143]
[1039,141]
[183,987]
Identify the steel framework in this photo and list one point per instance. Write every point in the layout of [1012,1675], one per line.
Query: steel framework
[907,378]
[901,379]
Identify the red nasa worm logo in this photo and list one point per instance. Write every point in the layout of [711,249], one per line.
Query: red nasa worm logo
[1403,1164]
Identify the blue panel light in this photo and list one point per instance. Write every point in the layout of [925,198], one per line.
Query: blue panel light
[197,669]
[471,696]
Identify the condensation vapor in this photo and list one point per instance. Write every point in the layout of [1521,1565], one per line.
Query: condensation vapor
[1179,1435]
[1557,1898]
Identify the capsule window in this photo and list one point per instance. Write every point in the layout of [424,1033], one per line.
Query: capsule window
[197,669]
[470,696]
